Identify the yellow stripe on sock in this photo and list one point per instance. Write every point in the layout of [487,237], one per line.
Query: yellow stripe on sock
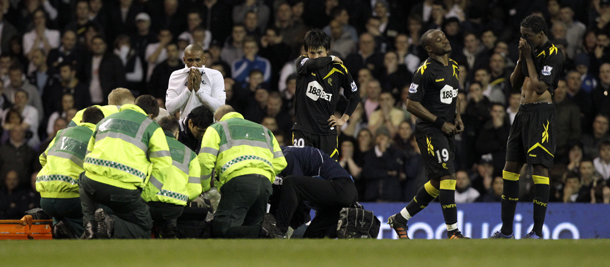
[540,179]
[448,184]
[511,176]
[431,190]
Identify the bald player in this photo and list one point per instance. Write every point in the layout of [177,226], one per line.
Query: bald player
[432,98]
[117,97]
[194,85]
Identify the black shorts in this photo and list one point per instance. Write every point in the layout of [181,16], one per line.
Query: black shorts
[532,135]
[437,149]
[326,143]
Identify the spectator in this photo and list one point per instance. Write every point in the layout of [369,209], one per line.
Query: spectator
[364,76]
[121,17]
[386,116]
[216,16]
[401,45]
[600,132]
[575,29]
[489,39]
[8,31]
[6,61]
[92,31]
[157,52]
[463,192]
[493,92]
[575,155]
[600,95]
[233,48]
[494,194]
[241,68]
[371,103]
[277,52]
[13,198]
[95,13]
[4,101]
[256,104]
[134,69]
[499,74]
[388,27]
[494,136]
[270,123]
[42,75]
[60,123]
[142,38]
[382,44]
[602,162]
[258,6]
[340,14]
[473,53]
[340,41]
[251,25]
[19,83]
[40,37]
[483,176]
[276,109]
[588,178]
[572,188]
[395,76]
[382,169]
[559,31]
[12,119]
[292,32]
[568,120]
[104,71]
[366,56]
[30,116]
[68,52]
[16,155]
[193,22]
[478,104]
[81,21]
[159,79]
[67,102]
[66,83]
[349,160]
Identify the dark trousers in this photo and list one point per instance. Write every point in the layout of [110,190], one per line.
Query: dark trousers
[165,215]
[242,207]
[130,213]
[327,196]
[67,209]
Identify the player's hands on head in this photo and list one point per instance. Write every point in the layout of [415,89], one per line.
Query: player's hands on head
[333,121]
[449,129]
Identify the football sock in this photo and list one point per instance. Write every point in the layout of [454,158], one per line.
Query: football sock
[541,200]
[509,201]
[447,199]
[424,196]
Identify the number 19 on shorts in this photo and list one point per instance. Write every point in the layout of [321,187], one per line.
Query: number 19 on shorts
[444,157]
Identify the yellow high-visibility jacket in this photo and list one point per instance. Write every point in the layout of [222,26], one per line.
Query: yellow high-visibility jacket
[235,147]
[107,110]
[126,149]
[182,183]
[62,162]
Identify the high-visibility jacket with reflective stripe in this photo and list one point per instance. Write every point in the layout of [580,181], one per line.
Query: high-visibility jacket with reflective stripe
[62,162]
[235,147]
[107,110]
[126,149]
[179,185]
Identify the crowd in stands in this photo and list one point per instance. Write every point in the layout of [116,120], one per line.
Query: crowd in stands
[60,56]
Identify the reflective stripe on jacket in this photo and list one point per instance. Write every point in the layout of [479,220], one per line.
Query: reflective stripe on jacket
[126,149]
[62,162]
[181,183]
[235,147]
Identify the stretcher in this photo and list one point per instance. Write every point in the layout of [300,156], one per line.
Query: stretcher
[26,228]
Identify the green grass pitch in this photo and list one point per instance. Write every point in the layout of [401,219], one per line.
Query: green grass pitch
[310,253]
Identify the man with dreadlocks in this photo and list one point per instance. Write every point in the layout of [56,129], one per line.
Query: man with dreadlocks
[532,135]
[432,99]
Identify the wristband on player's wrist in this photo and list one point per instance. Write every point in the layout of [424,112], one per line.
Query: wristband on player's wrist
[439,122]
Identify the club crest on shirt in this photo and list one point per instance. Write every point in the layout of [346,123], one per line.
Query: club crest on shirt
[413,88]
[546,70]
